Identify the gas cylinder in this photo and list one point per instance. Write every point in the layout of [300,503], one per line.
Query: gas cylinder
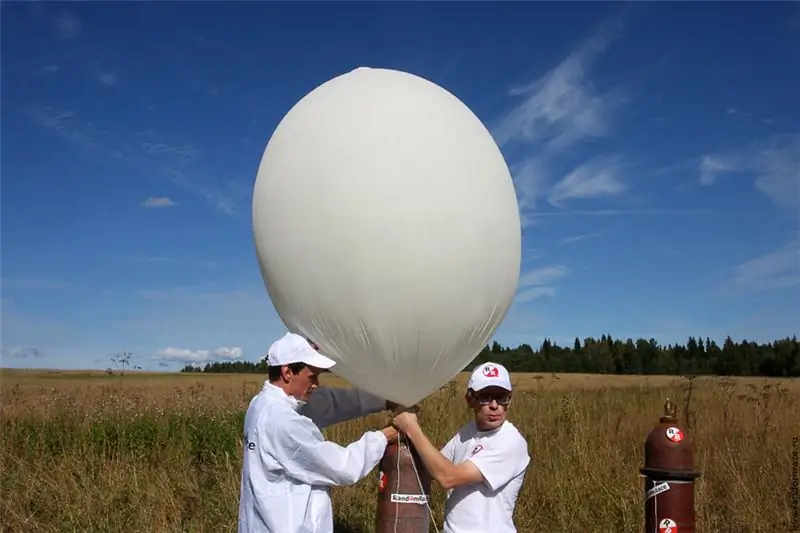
[404,487]
[669,474]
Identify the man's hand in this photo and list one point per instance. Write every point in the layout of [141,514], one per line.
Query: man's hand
[406,422]
[391,433]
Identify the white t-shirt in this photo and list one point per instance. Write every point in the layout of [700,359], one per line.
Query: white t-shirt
[502,457]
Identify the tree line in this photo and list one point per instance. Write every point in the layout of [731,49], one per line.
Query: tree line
[780,358]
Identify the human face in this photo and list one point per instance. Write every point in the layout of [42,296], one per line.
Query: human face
[302,384]
[490,406]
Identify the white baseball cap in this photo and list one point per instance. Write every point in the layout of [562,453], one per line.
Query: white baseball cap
[489,375]
[294,348]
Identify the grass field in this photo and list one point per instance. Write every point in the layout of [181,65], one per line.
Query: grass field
[83,451]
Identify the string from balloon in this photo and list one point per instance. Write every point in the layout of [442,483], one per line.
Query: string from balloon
[419,482]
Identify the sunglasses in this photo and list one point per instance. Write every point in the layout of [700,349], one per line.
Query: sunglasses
[485,398]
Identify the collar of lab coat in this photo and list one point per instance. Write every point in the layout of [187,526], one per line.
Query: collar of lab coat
[277,392]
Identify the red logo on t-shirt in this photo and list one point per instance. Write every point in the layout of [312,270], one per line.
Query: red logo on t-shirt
[490,371]
[381,482]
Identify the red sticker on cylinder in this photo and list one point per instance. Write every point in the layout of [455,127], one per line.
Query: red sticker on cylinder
[674,434]
[381,482]
[667,525]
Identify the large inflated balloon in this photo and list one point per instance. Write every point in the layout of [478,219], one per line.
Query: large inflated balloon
[387,230]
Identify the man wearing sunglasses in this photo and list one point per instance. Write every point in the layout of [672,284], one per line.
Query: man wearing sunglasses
[482,467]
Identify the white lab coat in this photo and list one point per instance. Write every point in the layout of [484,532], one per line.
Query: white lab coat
[289,466]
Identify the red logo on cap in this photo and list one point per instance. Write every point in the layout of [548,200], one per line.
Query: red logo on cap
[491,371]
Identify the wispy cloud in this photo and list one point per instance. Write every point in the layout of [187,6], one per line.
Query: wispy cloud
[67,125]
[530,181]
[774,166]
[172,262]
[27,284]
[776,270]
[109,79]
[185,355]
[710,166]
[156,202]
[621,212]
[21,352]
[774,162]
[539,282]
[68,26]
[556,112]
[563,107]
[582,237]
[599,177]
[170,158]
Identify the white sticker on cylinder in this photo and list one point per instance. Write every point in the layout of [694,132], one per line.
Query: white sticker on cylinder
[420,499]
[658,489]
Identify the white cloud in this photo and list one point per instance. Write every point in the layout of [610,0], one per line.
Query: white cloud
[581,237]
[27,284]
[21,352]
[68,26]
[775,163]
[153,152]
[539,282]
[621,212]
[198,317]
[778,167]
[185,355]
[599,177]
[533,293]
[562,107]
[155,202]
[529,178]
[557,111]
[710,166]
[109,79]
[776,270]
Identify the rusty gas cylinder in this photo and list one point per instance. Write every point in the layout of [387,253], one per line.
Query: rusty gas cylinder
[402,497]
[669,474]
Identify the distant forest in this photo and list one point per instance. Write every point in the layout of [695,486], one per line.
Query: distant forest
[606,355]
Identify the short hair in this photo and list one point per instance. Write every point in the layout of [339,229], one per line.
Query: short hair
[274,372]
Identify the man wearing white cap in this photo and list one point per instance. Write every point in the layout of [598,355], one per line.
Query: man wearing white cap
[288,465]
[484,464]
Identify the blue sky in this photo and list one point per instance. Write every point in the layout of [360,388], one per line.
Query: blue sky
[655,149]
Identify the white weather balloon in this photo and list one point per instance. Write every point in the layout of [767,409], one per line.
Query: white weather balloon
[387,230]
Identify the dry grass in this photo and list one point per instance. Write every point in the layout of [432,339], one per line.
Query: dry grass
[150,452]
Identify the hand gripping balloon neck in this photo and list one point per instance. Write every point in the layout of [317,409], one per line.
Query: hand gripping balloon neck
[397,409]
